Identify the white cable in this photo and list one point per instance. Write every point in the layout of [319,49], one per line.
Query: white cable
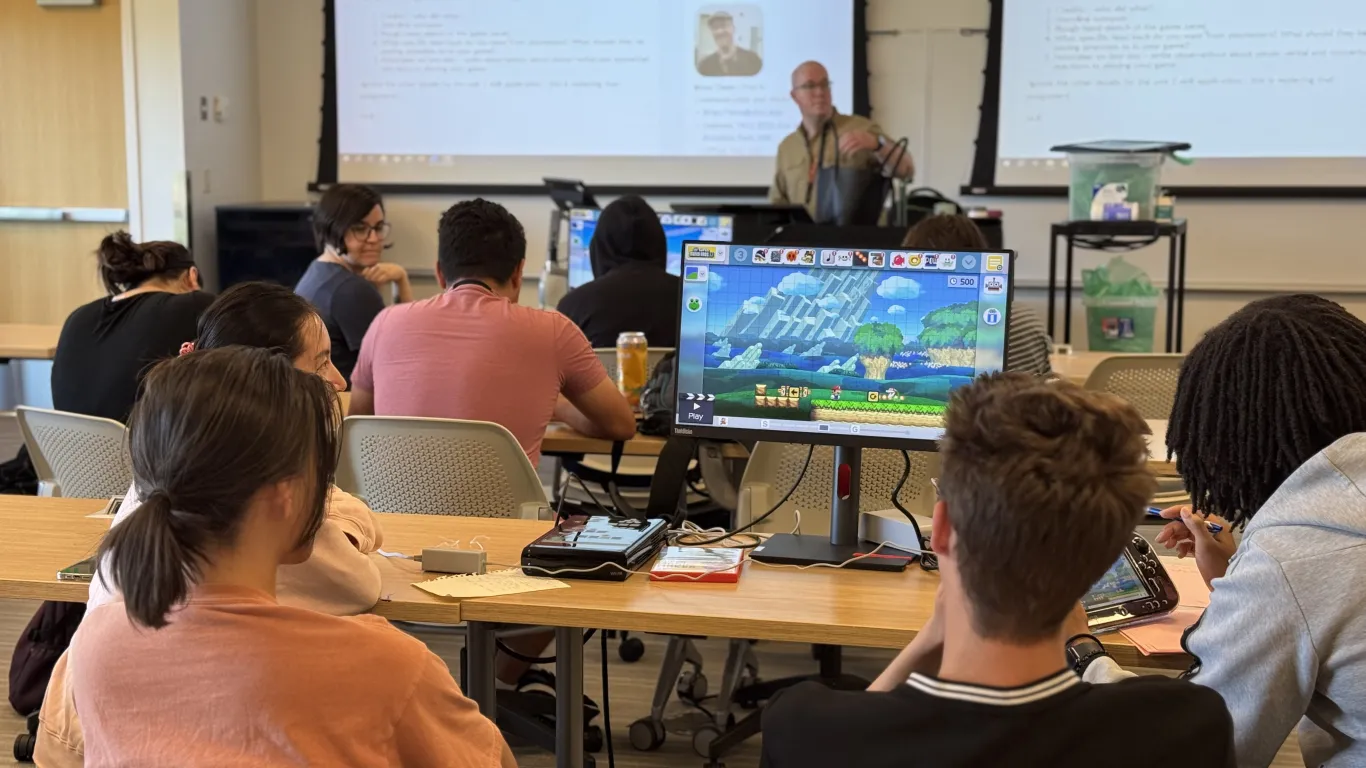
[694,577]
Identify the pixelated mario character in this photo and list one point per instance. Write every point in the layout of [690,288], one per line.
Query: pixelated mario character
[890,394]
[835,392]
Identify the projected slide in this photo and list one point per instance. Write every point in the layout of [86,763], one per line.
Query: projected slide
[613,91]
[1267,93]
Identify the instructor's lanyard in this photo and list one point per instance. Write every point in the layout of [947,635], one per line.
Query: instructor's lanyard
[818,161]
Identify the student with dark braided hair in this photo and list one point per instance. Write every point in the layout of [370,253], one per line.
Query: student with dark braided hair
[1269,431]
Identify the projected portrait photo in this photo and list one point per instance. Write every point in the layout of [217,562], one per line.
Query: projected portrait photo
[730,41]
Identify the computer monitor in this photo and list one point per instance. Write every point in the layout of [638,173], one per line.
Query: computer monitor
[678,227]
[843,346]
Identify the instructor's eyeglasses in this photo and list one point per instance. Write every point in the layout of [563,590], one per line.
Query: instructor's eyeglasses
[812,87]
[362,230]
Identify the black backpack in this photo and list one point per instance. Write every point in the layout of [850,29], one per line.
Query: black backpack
[659,400]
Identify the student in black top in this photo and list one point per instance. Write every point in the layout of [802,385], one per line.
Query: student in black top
[344,282]
[1040,487]
[153,306]
[630,290]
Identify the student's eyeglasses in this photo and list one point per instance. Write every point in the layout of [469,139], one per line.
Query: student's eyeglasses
[362,231]
[812,87]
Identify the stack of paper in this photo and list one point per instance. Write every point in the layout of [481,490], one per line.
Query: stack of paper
[1164,635]
[509,582]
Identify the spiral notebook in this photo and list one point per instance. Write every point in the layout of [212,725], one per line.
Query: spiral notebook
[507,582]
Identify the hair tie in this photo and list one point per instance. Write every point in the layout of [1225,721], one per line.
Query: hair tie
[187,348]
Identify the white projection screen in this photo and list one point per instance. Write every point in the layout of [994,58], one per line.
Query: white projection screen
[624,93]
[1269,94]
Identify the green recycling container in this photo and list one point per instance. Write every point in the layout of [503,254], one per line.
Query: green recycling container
[1120,323]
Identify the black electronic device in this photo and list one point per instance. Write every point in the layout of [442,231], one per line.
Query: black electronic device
[569,193]
[580,546]
[1135,589]
[264,241]
[839,345]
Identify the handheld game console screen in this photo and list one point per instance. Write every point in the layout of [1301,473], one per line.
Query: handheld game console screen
[1119,585]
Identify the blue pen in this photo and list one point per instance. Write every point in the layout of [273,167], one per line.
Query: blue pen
[1213,527]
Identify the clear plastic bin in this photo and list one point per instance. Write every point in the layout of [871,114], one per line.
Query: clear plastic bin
[1116,172]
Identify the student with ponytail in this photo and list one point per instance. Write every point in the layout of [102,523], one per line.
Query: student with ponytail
[198,663]
[152,306]
[338,578]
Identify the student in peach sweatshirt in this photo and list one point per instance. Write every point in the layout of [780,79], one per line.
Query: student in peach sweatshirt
[338,578]
[198,663]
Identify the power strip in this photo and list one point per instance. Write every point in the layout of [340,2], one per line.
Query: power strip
[440,560]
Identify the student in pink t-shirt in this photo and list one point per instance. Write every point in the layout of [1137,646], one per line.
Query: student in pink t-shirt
[196,662]
[473,353]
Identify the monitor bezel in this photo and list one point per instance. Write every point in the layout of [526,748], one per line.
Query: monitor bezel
[749,435]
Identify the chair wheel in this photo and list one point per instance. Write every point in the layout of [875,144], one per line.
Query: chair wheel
[592,739]
[631,649]
[692,686]
[702,739]
[23,748]
[647,735]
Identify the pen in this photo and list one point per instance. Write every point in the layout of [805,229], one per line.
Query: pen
[1213,527]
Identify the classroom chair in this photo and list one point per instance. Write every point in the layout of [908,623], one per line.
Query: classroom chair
[1147,381]
[451,467]
[771,471]
[75,456]
[438,467]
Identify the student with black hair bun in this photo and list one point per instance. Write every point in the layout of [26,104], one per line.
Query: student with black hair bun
[1269,433]
[344,282]
[153,304]
[198,663]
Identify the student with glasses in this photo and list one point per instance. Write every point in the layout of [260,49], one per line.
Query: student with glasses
[344,282]
[826,138]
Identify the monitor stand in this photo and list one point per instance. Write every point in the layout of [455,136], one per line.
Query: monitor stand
[843,543]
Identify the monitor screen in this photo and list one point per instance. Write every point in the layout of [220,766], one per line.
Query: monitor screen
[1119,585]
[678,227]
[834,345]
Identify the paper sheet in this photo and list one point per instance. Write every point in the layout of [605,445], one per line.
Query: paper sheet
[508,582]
[1164,635]
[1189,583]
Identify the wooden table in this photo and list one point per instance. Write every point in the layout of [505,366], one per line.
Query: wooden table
[28,342]
[820,606]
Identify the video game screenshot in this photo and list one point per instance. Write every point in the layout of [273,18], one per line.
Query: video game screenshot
[1119,585]
[836,340]
[678,227]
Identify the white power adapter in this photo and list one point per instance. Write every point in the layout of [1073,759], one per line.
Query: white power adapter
[445,560]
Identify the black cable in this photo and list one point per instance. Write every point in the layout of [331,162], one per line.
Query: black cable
[809,452]
[503,648]
[607,708]
[928,561]
[599,504]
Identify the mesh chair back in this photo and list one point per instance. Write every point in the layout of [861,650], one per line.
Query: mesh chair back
[774,467]
[1147,381]
[438,467]
[80,457]
[608,357]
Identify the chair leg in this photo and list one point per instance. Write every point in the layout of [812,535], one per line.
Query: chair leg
[739,657]
[679,651]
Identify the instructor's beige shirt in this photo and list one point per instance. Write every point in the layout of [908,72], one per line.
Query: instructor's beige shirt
[796,171]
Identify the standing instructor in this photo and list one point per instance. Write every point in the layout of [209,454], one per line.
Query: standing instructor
[827,138]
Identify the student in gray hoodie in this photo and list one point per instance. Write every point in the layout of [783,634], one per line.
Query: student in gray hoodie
[1269,430]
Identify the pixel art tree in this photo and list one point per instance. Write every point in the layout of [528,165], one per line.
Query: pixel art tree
[876,343]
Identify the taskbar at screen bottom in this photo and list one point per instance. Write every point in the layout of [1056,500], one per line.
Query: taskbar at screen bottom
[699,414]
